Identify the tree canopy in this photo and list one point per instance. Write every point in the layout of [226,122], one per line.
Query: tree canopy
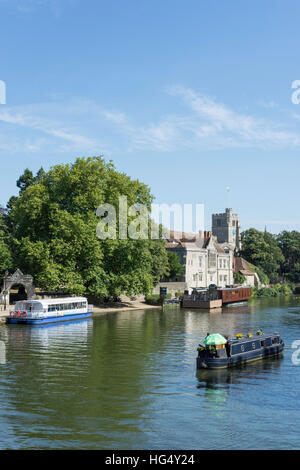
[262,250]
[53,223]
[175,267]
[5,249]
[289,243]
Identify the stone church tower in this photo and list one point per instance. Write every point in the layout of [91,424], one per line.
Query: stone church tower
[226,227]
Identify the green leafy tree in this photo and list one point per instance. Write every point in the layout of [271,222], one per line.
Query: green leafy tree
[262,250]
[239,278]
[6,261]
[175,267]
[54,230]
[289,243]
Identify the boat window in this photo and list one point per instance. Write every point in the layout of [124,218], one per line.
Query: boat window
[66,306]
[33,306]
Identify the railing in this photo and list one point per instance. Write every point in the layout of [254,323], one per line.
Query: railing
[25,314]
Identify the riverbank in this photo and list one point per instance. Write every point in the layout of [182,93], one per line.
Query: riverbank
[124,306]
[103,309]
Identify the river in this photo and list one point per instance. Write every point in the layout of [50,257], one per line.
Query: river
[128,380]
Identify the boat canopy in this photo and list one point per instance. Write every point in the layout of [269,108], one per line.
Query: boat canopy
[214,339]
[40,305]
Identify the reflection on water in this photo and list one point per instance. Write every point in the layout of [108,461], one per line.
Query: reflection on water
[2,352]
[128,380]
[238,375]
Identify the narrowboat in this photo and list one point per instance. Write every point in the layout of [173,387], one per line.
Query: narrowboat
[219,352]
[36,312]
[215,298]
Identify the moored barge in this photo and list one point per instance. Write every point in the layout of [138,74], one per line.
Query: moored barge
[231,295]
[204,299]
[214,298]
[220,352]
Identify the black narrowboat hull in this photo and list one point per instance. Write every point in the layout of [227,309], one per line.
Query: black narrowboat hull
[239,359]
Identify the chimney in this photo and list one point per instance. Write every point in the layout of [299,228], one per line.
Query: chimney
[207,235]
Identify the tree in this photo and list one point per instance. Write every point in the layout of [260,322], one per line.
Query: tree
[239,278]
[289,243]
[262,250]
[5,251]
[27,179]
[54,230]
[175,267]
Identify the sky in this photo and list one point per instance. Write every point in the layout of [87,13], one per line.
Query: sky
[189,96]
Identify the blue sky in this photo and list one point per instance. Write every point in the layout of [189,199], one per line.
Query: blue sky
[188,96]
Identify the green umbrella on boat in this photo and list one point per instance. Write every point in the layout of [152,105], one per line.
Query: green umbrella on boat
[214,339]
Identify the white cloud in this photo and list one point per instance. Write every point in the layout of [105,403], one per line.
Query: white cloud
[85,127]
[45,126]
[230,128]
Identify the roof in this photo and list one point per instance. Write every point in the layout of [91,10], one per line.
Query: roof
[192,240]
[245,339]
[241,265]
[62,300]
[245,272]
[234,288]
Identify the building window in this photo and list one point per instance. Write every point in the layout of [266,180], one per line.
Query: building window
[212,260]
[200,261]
[221,277]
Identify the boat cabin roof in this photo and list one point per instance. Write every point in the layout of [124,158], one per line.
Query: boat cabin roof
[62,300]
[235,288]
[245,339]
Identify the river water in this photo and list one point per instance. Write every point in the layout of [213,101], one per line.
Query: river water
[128,380]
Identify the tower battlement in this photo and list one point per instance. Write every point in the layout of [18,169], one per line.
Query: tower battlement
[226,227]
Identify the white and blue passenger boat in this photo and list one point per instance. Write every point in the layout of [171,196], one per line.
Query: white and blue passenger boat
[36,312]
[220,352]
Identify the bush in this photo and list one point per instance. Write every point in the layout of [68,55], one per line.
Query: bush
[239,278]
[273,291]
[179,294]
[154,299]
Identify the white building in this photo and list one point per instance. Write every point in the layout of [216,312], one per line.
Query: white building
[204,260]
